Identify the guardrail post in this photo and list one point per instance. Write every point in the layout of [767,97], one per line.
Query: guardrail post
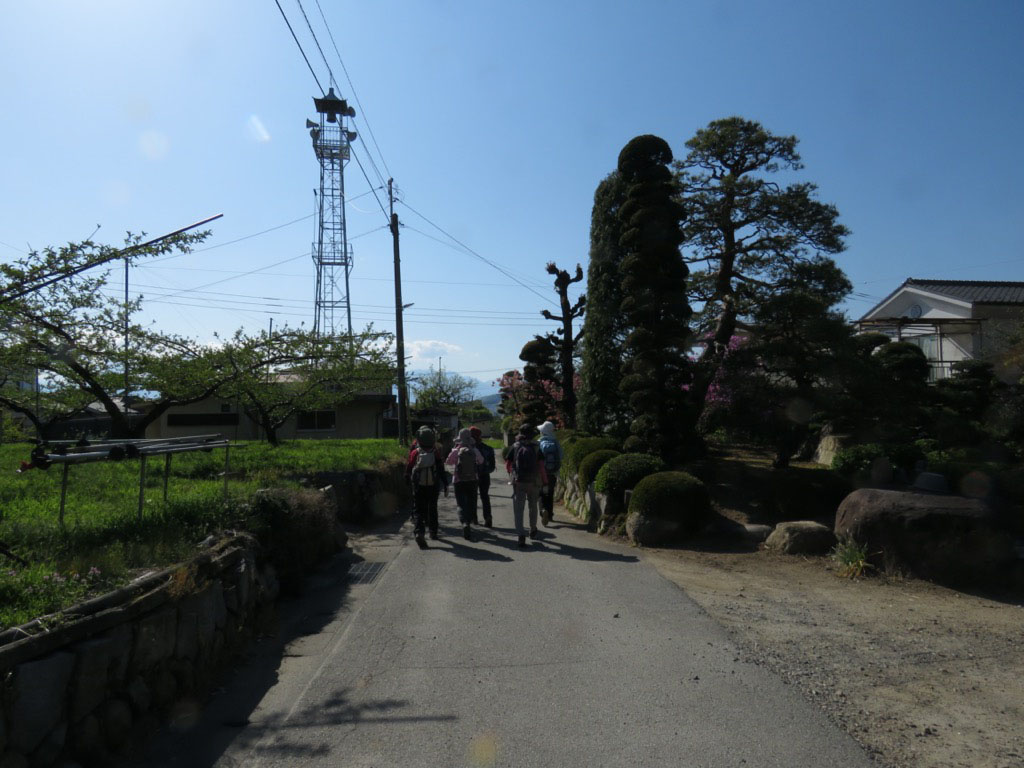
[142,485]
[227,470]
[167,474]
[63,495]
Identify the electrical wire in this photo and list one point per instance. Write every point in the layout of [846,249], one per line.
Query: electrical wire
[13,248]
[370,184]
[243,274]
[296,39]
[330,74]
[478,256]
[352,88]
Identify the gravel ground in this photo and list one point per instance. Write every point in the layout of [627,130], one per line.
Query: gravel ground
[921,675]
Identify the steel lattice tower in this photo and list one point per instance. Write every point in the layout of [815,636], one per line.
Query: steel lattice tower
[332,253]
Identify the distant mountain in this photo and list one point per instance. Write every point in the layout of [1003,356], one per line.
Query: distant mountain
[491,402]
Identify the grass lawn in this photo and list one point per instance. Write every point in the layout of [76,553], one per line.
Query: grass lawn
[103,543]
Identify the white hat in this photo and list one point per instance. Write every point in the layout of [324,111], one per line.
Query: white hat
[547,429]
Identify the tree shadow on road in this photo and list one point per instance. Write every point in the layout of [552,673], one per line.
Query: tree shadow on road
[284,736]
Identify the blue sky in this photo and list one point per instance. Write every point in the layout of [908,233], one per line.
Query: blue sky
[497,120]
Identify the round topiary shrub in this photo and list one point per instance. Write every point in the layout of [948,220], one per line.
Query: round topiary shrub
[592,463]
[582,447]
[622,473]
[667,508]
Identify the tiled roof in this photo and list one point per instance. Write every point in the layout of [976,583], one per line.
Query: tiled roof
[974,291]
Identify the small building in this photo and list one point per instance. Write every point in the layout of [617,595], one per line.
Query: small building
[952,320]
[360,417]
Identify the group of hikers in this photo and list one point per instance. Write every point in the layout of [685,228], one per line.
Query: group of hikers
[532,468]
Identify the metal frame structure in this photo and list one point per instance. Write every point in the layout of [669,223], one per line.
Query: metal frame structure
[67,453]
[904,328]
[332,253]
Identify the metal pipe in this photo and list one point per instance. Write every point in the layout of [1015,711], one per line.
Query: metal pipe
[142,486]
[167,474]
[63,496]
[227,470]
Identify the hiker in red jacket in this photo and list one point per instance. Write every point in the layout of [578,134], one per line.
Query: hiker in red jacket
[425,472]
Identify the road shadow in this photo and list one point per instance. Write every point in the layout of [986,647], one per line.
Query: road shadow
[200,730]
[458,546]
[284,736]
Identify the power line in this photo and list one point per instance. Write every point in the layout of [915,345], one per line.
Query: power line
[490,263]
[243,274]
[352,88]
[372,188]
[14,248]
[311,32]
[296,39]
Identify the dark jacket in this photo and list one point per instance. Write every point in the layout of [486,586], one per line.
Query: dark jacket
[488,454]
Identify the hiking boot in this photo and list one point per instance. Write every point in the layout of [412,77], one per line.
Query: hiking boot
[488,523]
[545,517]
[433,535]
[466,534]
[421,542]
[522,542]
[533,533]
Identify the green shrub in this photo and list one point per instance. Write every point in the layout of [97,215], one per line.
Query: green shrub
[582,447]
[592,463]
[857,459]
[622,473]
[798,493]
[667,507]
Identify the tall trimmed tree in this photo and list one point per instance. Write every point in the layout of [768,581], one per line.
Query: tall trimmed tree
[602,407]
[655,306]
[564,344]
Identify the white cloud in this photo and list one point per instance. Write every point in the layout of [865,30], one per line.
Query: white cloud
[426,351]
[257,130]
[154,145]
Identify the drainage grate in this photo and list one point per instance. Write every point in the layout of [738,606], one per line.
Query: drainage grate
[364,573]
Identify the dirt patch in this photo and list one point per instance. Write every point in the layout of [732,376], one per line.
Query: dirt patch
[921,675]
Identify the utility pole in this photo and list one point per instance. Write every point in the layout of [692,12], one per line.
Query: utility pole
[124,400]
[403,403]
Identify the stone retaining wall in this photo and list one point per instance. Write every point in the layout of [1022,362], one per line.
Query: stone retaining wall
[79,687]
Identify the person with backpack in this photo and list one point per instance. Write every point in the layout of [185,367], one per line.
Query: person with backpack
[425,472]
[526,469]
[551,450]
[484,475]
[466,462]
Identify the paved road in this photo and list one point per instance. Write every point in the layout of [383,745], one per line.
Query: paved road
[572,653]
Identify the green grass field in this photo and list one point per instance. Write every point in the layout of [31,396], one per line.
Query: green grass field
[103,543]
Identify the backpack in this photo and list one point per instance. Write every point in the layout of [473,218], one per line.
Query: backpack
[466,465]
[524,462]
[552,456]
[425,467]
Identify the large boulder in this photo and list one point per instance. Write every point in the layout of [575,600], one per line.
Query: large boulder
[945,538]
[801,537]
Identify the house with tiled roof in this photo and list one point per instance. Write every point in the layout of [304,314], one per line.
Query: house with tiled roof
[952,320]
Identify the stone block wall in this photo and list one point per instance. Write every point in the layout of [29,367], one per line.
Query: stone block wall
[78,688]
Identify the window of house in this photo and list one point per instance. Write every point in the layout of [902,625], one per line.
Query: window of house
[309,420]
[202,419]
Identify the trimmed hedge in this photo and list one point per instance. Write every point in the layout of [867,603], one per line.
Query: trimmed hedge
[622,473]
[667,507]
[592,463]
[583,447]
